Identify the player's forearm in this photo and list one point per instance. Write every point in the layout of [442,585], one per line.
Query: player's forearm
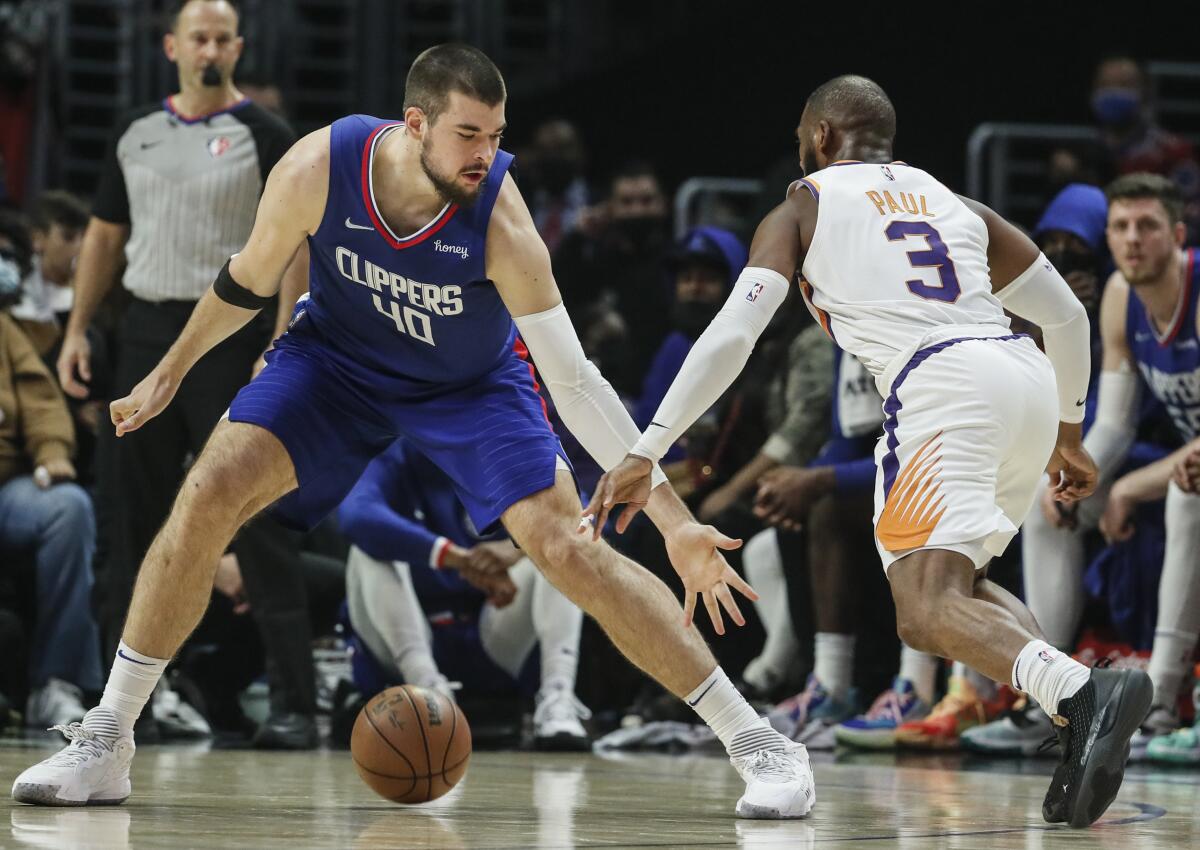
[586,403]
[1115,427]
[716,359]
[1041,295]
[1149,484]
[211,322]
[747,477]
[100,259]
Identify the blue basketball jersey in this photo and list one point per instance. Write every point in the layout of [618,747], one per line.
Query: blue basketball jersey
[1170,361]
[402,312]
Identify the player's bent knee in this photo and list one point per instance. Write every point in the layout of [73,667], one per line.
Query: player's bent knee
[916,631]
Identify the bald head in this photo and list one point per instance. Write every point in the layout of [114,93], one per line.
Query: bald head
[849,117]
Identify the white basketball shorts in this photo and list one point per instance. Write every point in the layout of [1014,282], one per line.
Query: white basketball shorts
[970,426]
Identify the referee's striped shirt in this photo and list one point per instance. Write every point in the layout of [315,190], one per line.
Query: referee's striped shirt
[188,186]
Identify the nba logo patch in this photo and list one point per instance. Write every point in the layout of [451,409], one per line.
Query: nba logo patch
[887,172]
[1046,656]
[218,145]
[752,295]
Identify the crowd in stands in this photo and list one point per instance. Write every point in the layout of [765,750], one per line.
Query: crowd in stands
[398,586]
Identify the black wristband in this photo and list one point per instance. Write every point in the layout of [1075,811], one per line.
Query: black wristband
[232,292]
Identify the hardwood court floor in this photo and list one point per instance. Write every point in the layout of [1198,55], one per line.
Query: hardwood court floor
[234,798]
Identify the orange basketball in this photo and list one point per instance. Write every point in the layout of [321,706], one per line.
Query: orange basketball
[411,745]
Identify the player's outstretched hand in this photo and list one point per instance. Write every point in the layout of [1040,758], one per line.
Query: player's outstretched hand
[1187,472]
[627,483]
[145,401]
[694,552]
[1072,471]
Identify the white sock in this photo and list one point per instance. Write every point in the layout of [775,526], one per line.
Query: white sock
[1048,675]
[984,687]
[1054,559]
[728,714]
[764,570]
[1178,598]
[130,684]
[557,621]
[921,669]
[834,662]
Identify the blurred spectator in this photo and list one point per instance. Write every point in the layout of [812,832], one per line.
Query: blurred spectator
[23,34]
[43,512]
[178,194]
[556,162]
[612,273]
[429,596]
[1133,138]
[57,224]
[1071,235]
[16,257]
[703,266]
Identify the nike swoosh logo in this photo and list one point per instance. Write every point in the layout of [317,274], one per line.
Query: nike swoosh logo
[660,425]
[354,226]
[1079,404]
[706,690]
[122,654]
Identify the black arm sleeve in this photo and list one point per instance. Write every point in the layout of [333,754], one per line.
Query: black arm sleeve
[272,136]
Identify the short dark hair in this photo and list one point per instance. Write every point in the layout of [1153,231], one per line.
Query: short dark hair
[1133,187]
[632,169]
[58,207]
[855,105]
[447,68]
[176,9]
[14,229]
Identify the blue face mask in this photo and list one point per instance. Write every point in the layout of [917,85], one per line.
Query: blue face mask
[1116,106]
[10,282]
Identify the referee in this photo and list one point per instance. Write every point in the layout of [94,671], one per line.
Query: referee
[177,196]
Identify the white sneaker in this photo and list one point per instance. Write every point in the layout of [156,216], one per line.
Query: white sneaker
[558,721]
[56,703]
[779,784]
[92,770]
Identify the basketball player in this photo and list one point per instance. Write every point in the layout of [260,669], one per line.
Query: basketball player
[1149,317]
[913,280]
[422,252]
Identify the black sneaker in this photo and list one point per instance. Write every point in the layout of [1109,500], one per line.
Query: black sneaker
[1094,728]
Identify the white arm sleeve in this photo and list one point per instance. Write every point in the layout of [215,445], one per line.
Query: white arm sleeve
[1111,435]
[718,357]
[585,401]
[1041,295]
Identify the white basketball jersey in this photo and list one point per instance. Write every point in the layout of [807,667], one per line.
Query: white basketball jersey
[897,261]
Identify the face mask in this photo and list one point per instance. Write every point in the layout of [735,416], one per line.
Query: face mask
[211,76]
[1066,262]
[692,317]
[1115,106]
[10,282]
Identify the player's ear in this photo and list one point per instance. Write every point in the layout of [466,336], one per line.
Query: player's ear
[823,136]
[1180,234]
[169,45]
[414,121]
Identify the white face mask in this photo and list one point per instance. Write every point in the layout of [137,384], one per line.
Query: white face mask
[10,282]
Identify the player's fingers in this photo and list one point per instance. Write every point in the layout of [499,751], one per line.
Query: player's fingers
[593,505]
[729,603]
[714,611]
[727,543]
[130,423]
[631,510]
[689,607]
[739,584]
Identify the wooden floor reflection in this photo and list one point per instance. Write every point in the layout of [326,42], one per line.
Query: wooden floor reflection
[195,799]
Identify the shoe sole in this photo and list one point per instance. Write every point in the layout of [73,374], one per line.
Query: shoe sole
[1028,750]
[1104,769]
[748,811]
[47,795]
[562,743]
[868,740]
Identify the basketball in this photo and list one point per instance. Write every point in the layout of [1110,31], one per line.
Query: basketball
[410,745]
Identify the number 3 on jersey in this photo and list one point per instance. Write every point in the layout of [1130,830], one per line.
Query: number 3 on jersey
[936,257]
